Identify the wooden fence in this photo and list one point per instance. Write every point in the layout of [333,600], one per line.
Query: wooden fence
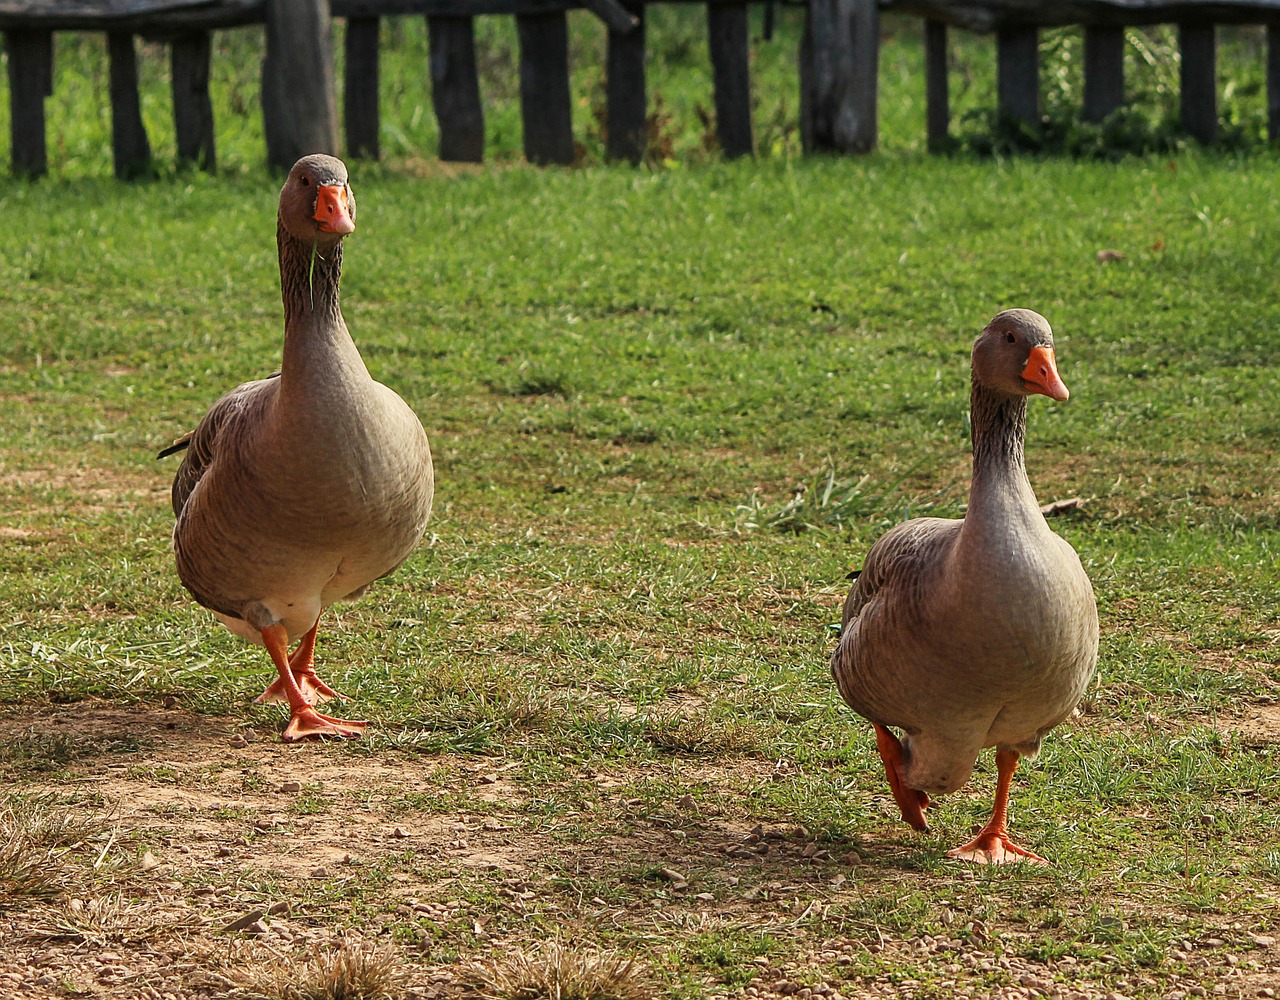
[838,66]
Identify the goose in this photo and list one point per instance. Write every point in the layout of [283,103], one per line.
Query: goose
[301,489]
[979,632]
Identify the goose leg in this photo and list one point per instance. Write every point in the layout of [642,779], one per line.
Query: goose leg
[304,720]
[302,665]
[911,802]
[992,845]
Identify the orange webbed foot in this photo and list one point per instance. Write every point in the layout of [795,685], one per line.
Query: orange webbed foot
[993,847]
[306,722]
[911,801]
[312,687]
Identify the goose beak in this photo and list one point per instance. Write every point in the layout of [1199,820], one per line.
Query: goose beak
[1041,374]
[332,210]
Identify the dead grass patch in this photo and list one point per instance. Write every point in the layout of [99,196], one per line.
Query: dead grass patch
[679,733]
[39,750]
[102,920]
[36,836]
[353,971]
[558,970]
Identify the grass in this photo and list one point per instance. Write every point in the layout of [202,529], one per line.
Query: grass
[48,849]
[559,971]
[356,972]
[671,409]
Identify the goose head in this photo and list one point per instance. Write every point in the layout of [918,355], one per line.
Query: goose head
[316,203]
[1014,356]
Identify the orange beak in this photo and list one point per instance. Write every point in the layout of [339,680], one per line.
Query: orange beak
[1041,374]
[333,212]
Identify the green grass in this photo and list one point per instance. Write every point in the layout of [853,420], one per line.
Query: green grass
[670,410]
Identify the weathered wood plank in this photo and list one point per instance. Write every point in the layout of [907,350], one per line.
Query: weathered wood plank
[299,109]
[990,15]
[163,17]
[192,110]
[727,36]
[129,145]
[1199,78]
[625,98]
[839,70]
[937,93]
[616,16]
[30,57]
[1103,71]
[455,88]
[153,18]
[1018,74]
[1273,81]
[360,98]
[545,107]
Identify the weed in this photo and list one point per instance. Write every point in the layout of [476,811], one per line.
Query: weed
[354,971]
[38,835]
[560,970]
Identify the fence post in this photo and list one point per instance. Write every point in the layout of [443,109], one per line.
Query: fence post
[839,76]
[30,82]
[299,110]
[1103,71]
[625,100]
[1018,74]
[727,38]
[192,110]
[1199,81]
[1273,81]
[455,87]
[544,87]
[131,151]
[360,98]
[937,95]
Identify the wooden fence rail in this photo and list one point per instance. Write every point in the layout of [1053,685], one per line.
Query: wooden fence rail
[1016,24]
[838,66]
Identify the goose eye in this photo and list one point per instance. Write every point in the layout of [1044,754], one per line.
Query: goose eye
[1010,337]
[306,181]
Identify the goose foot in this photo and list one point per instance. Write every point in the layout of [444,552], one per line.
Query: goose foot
[911,802]
[302,666]
[312,687]
[992,845]
[304,720]
[307,721]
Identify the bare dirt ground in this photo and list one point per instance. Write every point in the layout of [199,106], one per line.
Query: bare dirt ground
[244,853]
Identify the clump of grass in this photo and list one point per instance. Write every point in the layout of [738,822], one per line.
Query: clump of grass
[35,751]
[355,971]
[678,733]
[27,869]
[99,920]
[557,970]
[535,382]
[828,502]
[36,834]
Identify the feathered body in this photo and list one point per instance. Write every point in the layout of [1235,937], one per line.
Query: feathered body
[981,632]
[300,490]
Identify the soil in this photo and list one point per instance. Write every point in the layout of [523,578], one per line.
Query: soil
[249,854]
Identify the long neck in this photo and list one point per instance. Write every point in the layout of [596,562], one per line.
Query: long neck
[316,341]
[309,278]
[1000,487]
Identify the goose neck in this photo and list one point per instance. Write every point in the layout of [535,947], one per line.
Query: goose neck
[999,429]
[310,273]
